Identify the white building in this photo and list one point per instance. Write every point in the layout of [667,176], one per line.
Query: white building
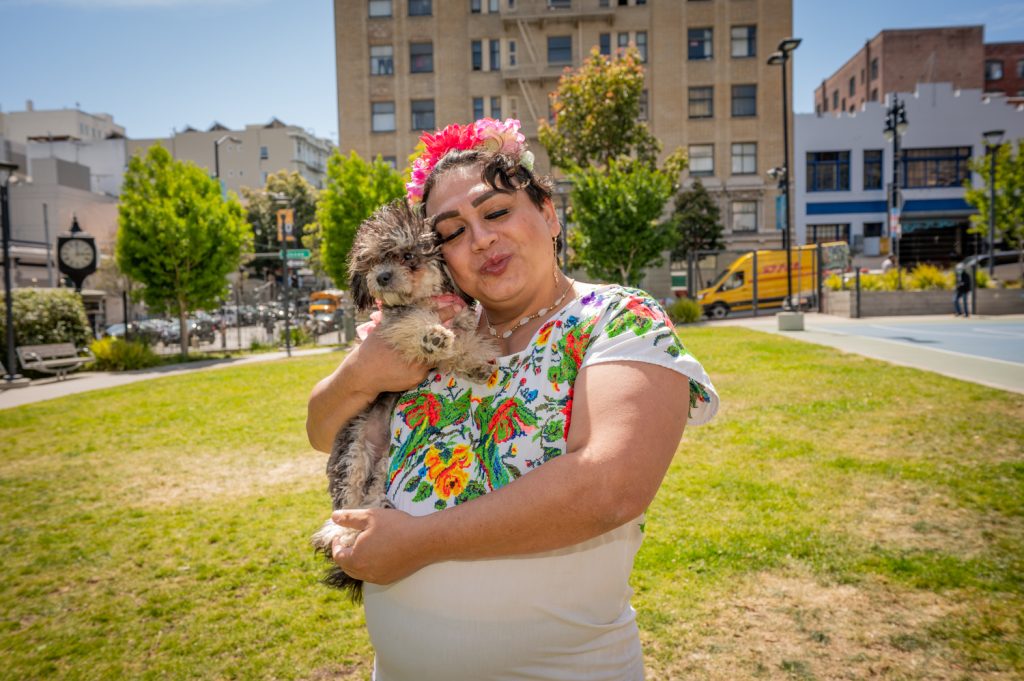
[844,166]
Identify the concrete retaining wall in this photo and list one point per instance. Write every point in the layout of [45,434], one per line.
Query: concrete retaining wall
[891,303]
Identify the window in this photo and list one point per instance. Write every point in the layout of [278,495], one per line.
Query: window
[511,52]
[744,100]
[604,42]
[874,68]
[698,43]
[475,6]
[559,4]
[559,49]
[496,107]
[824,102]
[420,8]
[874,94]
[744,41]
[383,119]
[642,114]
[264,153]
[478,108]
[853,85]
[495,55]
[744,158]
[872,169]
[835,99]
[821,234]
[702,159]
[641,45]
[744,219]
[702,104]
[382,61]
[734,281]
[1020,68]
[623,41]
[477,48]
[844,103]
[421,57]
[492,6]
[862,76]
[380,8]
[937,167]
[872,229]
[828,171]
[264,175]
[422,114]
[994,69]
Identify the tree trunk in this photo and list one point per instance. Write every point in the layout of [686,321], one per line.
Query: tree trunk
[183,326]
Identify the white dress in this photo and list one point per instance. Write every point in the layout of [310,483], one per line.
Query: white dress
[558,615]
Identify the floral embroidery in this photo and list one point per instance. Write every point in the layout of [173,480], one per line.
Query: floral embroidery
[453,440]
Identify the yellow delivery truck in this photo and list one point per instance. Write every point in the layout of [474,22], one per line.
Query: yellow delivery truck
[733,289]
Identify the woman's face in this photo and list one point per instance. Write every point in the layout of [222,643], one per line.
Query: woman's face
[497,244]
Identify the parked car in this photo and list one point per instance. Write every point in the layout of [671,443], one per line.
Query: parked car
[1007,264]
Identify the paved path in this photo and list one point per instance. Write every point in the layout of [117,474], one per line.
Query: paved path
[49,388]
[985,350]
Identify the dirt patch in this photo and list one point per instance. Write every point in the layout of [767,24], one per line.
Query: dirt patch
[224,477]
[338,673]
[793,627]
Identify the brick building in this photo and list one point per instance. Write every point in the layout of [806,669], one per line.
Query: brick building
[1004,69]
[406,66]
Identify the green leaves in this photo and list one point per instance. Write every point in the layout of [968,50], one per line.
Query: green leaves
[355,189]
[177,234]
[1009,194]
[696,221]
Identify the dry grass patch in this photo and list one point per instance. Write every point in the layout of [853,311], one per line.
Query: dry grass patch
[791,626]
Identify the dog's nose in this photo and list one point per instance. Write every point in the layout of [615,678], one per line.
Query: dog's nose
[384,278]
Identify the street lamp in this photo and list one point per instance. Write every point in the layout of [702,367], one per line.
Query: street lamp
[216,152]
[895,127]
[993,139]
[11,378]
[780,58]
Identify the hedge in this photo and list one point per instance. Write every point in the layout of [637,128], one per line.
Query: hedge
[46,315]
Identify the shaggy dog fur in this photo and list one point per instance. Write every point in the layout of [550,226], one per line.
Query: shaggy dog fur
[395,260]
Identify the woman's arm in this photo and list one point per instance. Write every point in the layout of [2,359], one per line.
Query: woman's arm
[627,419]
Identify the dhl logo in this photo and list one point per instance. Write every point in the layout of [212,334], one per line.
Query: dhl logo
[778,269]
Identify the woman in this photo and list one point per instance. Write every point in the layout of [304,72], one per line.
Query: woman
[583,413]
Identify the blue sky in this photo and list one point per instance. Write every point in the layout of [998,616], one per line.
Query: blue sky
[162,64]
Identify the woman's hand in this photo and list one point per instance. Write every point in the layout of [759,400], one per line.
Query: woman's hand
[390,545]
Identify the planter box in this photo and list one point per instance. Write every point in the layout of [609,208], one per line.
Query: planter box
[991,301]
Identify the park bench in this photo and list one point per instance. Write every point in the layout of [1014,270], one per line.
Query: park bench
[52,358]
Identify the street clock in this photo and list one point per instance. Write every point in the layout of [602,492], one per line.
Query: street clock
[76,254]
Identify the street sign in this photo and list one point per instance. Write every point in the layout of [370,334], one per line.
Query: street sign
[781,212]
[296,264]
[297,254]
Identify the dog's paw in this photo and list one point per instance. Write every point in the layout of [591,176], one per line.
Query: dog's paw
[480,373]
[436,339]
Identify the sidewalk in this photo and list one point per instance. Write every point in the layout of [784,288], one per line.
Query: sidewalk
[839,333]
[49,388]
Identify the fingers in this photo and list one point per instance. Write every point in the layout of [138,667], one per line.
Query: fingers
[356,518]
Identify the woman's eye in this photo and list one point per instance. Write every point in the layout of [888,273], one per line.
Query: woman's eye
[494,215]
[446,239]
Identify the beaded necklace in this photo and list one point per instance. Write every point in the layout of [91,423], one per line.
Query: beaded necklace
[525,320]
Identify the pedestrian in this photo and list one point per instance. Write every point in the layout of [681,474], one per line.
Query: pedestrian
[517,503]
[888,263]
[964,284]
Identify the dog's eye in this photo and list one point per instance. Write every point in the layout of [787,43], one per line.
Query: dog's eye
[408,257]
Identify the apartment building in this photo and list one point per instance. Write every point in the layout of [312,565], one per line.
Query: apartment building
[57,124]
[409,66]
[246,157]
[897,60]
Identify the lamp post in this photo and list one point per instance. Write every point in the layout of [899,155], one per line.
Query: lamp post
[781,58]
[895,127]
[993,139]
[216,152]
[11,378]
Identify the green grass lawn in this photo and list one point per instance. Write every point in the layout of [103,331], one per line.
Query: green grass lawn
[841,518]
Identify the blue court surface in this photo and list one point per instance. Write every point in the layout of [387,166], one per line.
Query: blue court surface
[987,338]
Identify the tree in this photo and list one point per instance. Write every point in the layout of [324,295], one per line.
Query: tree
[1009,204]
[617,211]
[355,189]
[597,110]
[283,190]
[697,222]
[177,235]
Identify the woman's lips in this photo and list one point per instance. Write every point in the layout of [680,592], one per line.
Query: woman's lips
[495,265]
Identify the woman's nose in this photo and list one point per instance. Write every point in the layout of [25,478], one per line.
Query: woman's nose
[483,236]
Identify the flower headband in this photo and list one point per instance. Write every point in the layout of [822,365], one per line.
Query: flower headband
[486,134]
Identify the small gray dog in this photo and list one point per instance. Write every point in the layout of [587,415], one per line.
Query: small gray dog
[395,260]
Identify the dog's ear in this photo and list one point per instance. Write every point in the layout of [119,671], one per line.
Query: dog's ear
[449,285]
[360,291]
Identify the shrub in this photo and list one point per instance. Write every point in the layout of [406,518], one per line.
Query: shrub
[299,337]
[833,282]
[684,311]
[983,280]
[117,354]
[47,315]
[929,278]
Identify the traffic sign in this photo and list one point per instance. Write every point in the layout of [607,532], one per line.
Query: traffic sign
[895,229]
[285,224]
[297,254]
[296,264]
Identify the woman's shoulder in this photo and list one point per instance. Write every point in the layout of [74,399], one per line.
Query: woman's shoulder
[611,295]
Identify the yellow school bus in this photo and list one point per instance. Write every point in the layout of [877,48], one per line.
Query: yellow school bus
[733,289]
[325,301]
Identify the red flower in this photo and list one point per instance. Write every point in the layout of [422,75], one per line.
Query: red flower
[422,407]
[567,411]
[508,421]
